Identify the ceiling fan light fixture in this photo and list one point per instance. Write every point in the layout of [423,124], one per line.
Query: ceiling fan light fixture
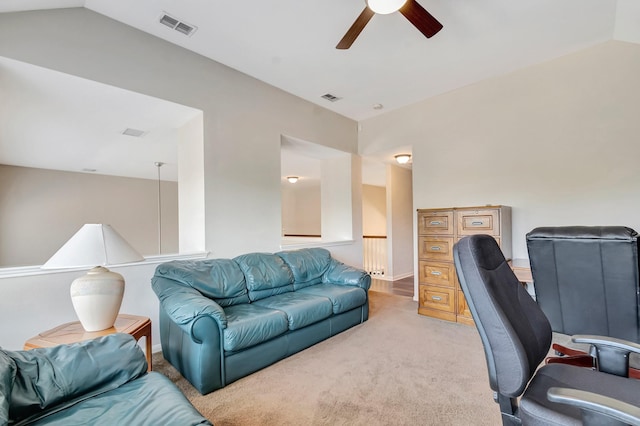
[385,7]
[402,158]
[292,179]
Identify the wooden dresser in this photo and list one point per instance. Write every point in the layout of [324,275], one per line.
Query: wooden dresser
[439,292]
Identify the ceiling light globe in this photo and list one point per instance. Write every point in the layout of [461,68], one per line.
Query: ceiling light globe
[385,7]
[292,179]
[403,158]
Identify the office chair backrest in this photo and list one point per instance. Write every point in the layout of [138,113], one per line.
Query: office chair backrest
[515,333]
[586,279]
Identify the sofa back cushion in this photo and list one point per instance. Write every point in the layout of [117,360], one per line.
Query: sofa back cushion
[219,279]
[307,265]
[60,376]
[266,274]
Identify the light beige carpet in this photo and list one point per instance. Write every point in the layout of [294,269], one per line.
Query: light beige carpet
[398,368]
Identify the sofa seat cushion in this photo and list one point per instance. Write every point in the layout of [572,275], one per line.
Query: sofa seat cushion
[343,298]
[301,309]
[250,324]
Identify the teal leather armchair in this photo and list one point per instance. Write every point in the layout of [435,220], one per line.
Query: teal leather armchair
[102,381]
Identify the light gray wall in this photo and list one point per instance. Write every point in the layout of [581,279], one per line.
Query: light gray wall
[41,209]
[558,142]
[243,120]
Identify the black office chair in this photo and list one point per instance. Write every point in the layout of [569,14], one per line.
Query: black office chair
[516,337]
[586,279]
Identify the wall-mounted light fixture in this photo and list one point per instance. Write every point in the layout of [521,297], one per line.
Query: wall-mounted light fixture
[292,179]
[402,158]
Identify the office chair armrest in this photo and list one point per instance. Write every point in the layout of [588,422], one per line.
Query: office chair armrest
[612,355]
[596,408]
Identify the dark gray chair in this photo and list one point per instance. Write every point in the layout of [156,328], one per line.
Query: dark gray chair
[516,337]
[586,279]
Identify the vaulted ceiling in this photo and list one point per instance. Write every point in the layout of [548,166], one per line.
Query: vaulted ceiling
[290,44]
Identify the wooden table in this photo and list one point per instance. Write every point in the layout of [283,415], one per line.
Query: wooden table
[522,270]
[73,332]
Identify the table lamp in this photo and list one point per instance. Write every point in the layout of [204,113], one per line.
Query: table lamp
[96,296]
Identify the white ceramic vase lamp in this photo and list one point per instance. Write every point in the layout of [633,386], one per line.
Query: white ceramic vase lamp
[96,296]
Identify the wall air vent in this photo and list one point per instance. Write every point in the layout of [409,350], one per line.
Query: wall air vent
[177,25]
[134,132]
[330,97]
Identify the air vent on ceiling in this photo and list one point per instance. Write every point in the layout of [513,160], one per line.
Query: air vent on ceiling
[330,97]
[177,24]
[134,132]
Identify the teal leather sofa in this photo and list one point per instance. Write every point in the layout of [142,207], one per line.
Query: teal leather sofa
[222,319]
[99,382]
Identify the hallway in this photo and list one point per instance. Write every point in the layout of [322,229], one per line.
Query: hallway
[401,287]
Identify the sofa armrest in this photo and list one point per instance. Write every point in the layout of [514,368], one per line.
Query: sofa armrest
[52,378]
[339,273]
[184,304]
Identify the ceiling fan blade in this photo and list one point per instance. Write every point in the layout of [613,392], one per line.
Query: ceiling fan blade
[420,18]
[355,29]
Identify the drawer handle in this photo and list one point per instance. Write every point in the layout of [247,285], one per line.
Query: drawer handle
[436,298]
[436,273]
[435,222]
[477,223]
[436,248]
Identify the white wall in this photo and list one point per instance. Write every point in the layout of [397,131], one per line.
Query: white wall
[191,186]
[336,218]
[400,222]
[558,142]
[243,121]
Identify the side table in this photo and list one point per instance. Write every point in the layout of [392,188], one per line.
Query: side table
[73,332]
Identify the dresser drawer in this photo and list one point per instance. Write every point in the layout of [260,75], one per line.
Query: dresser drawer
[437,273]
[463,307]
[435,248]
[472,222]
[435,223]
[438,298]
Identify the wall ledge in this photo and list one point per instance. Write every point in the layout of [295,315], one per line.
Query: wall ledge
[25,271]
[294,243]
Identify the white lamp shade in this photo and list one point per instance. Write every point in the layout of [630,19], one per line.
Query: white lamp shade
[93,245]
[96,296]
[384,7]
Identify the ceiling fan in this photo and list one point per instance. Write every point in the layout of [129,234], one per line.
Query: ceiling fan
[416,14]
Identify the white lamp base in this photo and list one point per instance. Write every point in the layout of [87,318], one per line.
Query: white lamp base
[97,297]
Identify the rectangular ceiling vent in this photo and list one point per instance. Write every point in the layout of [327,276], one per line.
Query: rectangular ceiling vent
[330,97]
[134,132]
[176,24]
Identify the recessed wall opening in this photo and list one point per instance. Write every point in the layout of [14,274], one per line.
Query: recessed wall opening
[66,161]
[317,208]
